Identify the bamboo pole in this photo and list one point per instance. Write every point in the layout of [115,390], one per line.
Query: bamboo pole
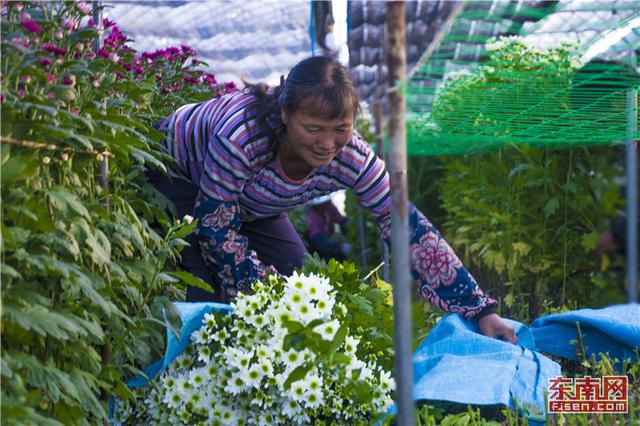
[632,189]
[400,272]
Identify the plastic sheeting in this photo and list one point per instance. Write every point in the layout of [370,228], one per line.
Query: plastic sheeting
[457,363]
[191,315]
[614,330]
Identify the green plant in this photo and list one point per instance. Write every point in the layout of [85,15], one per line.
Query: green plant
[85,285]
[523,218]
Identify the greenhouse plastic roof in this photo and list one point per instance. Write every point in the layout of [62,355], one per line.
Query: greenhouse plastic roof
[256,39]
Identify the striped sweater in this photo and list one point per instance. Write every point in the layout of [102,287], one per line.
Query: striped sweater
[218,146]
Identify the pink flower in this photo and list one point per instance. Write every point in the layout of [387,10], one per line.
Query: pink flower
[58,35]
[69,80]
[51,79]
[18,6]
[435,261]
[90,54]
[21,92]
[96,83]
[114,57]
[20,42]
[31,25]
[26,79]
[45,61]
[230,87]
[71,24]
[51,96]
[83,7]
[48,47]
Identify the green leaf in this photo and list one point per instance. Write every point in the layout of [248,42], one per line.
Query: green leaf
[87,396]
[297,374]
[192,280]
[9,272]
[18,168]
[64,200]
[293,326]
[338,339]
[43,321]
[551,207]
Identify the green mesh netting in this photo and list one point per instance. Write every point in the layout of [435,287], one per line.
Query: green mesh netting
[517,93]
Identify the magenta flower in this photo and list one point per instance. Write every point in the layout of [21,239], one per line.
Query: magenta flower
[69,80]
[58,35]
[31,25]
[45,61]
[48,47]
[230,87]
[22,92]
[51,96]
[51,78]
[26,79]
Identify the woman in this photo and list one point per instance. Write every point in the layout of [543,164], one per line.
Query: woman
[245,159]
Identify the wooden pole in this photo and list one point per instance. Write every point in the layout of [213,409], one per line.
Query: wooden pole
[397,166]
[631,165]
[378,118]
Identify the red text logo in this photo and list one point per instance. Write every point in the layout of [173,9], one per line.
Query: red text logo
[588,395]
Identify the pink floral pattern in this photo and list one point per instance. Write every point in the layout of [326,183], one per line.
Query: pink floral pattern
[440,276]
[433,259]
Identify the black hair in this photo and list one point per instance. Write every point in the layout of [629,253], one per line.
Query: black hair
[319,83]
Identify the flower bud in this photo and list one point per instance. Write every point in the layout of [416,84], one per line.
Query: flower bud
[187,218]
[46,160]
[100,157]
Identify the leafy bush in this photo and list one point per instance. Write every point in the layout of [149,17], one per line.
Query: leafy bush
[527,214]
[85,295]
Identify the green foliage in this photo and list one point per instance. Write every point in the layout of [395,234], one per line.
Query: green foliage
[525,220]
[85,295]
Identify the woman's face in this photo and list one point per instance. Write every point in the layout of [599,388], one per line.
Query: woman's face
[312,139]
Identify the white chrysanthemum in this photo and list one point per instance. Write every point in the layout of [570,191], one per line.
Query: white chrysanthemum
[209,321]
[324,307]
[236,384]
[314,398]
[328,329]
[173,398]
[297,391]
[387,383]
[252,376]
[204,354]
[258,321]
[293,299]
[201,336]
[314,381]
[291,409]
[281,315]
[305,312]
[221,335]
[197,377]
[265,366]
[291,358]
[266,419]
[351,345]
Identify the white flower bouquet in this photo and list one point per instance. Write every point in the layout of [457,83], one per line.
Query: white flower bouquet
[284,356]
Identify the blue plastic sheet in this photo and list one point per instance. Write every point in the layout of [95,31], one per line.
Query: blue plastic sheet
[614,330]
[457,363]
[191,315]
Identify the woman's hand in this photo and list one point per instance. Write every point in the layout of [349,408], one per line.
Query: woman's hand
[493,326]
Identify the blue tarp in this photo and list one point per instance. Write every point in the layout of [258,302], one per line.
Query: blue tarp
[191,314]
[614,330]
[458,364]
